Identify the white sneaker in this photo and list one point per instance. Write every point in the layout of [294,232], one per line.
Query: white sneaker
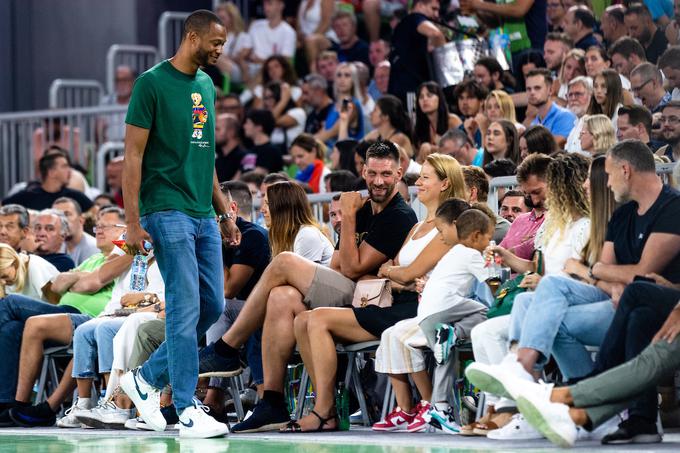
[443,420]
[146,398]
[132,423]
[550,419]
[106,416]
[70,420]
[195,422]
[502,380]
[517,429]
[142,426]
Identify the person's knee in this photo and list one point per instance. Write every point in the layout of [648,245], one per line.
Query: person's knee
[636,293]
[300,323]
[318,322]
[284,263]
[37,326]
[282,301]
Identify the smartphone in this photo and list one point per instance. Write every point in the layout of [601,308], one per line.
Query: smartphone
[345,104]
[640,278]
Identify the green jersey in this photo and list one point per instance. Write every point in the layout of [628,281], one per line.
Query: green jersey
[179,160]
[89,304]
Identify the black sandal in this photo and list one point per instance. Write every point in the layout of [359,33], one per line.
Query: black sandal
[293,427]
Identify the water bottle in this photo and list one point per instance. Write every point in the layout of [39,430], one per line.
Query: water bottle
[140,265]
[342,406]
[494,264]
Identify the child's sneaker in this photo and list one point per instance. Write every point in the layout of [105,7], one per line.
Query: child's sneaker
[443,420]
[397,420]
[445,338]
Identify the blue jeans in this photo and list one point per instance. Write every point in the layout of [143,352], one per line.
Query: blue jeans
[92,344]
[561,317]
[189,255]
[14,311]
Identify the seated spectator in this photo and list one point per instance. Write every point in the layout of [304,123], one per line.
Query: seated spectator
[14,225]
[390,122]
[489,74]
[55,171]
[669,63]
[647,85]
[340,181]
[670,122]
[253,180]
[79,245]
[559,121]
[527,62]
[607,95]
[230,103]
[316,331]
[315,96]
[555,49]
[342,156]
[308,155]
[579,97]
[626,53]
[470,97]
[499,106]
[26,275]
[536,139]
[579,23]
[228,148]
[446,299]
[51,230]
[231,63]
[612,24]
[640,26]
[555,12]
[367,102]
[114,179]
[54,133]
[378,51]
[499,168]
[82,292]
[290,119]
[326,64]
[573,66]
[501,142]
[348,102]
[314,28]
[112,126]
[264,156]
[597,134]
[348,46]
[276,68]
[635,123]
[381,79]
[458,145]
[432,119]
[290,279]
[512,205]
[597,60]
[270,36]
[477,191]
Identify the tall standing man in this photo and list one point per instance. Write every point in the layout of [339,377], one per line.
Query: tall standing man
[171,197]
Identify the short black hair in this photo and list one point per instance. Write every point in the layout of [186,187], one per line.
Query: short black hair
[472,88]
[199,22]
[263,118]
[512,193]
[254,177]
[543,72]
[74,203]
[670,58]
[383,149]
[534,164]
[341,180]
[500,167]
[471,221]
[639,9]
[278,176]
[636,153]
[627,46]
[49,161]
[451,209]
[637,114]
[584,15]
[239,192]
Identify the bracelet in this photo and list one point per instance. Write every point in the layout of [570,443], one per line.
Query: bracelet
[224,217]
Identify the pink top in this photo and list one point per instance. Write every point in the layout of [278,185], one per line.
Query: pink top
[520,237]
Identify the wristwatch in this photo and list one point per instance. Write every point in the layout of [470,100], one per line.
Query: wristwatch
[224,217]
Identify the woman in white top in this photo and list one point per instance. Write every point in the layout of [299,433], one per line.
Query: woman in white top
[26,275]
[290,119]
[314,28]
[231,62]
[276,68]
[441,178]
[292,227]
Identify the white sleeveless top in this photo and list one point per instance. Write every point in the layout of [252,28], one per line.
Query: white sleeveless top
[413,247]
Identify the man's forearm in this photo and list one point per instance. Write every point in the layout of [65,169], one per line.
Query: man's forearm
[218,200]
[349,250]
[64,281]
[617,272]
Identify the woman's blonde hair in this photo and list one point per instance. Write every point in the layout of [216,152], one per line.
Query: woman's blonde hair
[567,200]
[237,24]
[505,103]
[289,211]
[10,258]
[602,130]
[446,167]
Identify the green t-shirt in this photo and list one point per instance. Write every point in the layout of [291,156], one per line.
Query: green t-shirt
[179,159]
[89,304]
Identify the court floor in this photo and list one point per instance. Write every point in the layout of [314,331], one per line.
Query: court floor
[361,440]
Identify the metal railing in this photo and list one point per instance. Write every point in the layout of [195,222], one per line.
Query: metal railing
[139,58]
[170,26]
[74,93]
[105,153]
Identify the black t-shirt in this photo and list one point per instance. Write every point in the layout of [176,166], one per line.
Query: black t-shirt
[537,24]
[227,166]
[657,46]
[587,41]
[267,156]
[409,57]
[61,261]
[387,230]
[316,120]
[35,197]
[629,231]
[358,52]
[253,251]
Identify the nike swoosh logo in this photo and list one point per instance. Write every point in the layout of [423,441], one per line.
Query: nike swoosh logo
[188,425]
[143,396]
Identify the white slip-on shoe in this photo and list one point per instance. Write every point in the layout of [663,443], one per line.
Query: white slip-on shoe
[517,429]
[550,419]
[146,398]
[195,422]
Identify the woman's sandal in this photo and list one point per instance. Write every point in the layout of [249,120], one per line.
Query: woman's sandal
[468,430]
[498,421]
[293,427]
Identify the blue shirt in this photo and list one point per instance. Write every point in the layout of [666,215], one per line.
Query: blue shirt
[478,161]
[658,8]
[559,121]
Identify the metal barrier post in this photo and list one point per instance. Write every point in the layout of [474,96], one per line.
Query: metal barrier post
[139,58]
[170,26]
[74,93]
[103,152]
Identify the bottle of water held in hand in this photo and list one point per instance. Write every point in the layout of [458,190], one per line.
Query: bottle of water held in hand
[140,264]
[494,263]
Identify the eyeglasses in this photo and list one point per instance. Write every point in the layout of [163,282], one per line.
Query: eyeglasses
[637,89]
[576,94]
[103,228]
[672,120]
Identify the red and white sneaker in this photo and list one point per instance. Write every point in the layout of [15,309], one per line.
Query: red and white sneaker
[397,420]
[421,420]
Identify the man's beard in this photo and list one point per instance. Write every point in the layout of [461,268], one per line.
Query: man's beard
[530,204]
[380,198]
[577,110]
[202,57]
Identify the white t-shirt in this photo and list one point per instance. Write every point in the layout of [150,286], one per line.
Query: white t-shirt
[299,115]
[154,285]
[311,243]
[40,271]
[452,279]
[236,44]
[558,248]
[573,144]
[247,94]
[267,41]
